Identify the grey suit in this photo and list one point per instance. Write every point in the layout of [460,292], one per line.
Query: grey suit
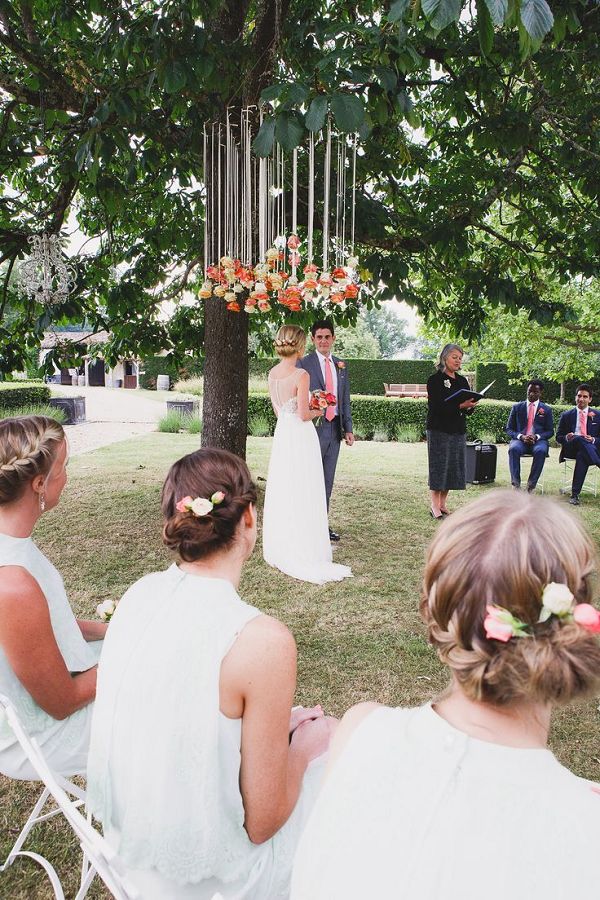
[330,433]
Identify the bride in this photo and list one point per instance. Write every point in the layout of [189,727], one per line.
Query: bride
[295,493]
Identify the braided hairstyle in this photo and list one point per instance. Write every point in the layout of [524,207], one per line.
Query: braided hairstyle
[28,447]
[202,474]
[504,549]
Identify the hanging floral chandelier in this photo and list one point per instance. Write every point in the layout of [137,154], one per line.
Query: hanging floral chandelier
[45,276]
[254,258]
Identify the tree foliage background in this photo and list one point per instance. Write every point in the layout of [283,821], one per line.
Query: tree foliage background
[477,181]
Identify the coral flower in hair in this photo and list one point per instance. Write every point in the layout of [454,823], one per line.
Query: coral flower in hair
[501,625]
[588,617]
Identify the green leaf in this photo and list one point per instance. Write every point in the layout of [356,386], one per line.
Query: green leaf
[441,12]
[272,92]
[497,10]
[174,76]
[263,142]
[317,113]
[297,93]
[397,10]
[289,130]
[485,28]
[537,18]
[348,112]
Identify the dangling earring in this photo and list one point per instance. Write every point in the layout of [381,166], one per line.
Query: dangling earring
[42,502]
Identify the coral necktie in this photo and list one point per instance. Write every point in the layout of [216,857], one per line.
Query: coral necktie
[530,417]
[582,423]
[330,411]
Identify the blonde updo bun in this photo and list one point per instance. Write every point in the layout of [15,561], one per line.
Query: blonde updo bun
[202,474]
[504,549]
[290,340]
[28,447]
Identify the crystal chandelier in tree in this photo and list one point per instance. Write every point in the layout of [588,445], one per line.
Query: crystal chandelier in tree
[45,276]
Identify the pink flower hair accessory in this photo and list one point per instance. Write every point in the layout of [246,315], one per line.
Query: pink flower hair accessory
[199,506]
[501,625]
[557,600]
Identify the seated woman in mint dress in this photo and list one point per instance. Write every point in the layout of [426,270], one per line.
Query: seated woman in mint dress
[192,771]
[47,663]
[461,799]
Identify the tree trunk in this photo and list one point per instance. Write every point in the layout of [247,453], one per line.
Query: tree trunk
[225,408]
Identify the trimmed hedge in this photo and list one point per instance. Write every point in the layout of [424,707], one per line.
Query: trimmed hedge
[385,414]
[503,390]
[367,376]
[14,394]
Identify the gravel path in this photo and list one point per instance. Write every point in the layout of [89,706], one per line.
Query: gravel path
[112,415]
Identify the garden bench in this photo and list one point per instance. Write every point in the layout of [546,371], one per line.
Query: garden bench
[405,390]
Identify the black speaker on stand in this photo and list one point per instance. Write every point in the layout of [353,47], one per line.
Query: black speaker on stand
[481,462]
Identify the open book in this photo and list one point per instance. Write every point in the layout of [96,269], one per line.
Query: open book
[467,394]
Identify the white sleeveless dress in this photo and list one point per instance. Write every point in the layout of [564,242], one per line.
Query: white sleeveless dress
[416,810]
[295,527]
[164,764]
[64,743]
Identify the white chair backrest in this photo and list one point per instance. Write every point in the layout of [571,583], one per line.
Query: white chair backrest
[104,861]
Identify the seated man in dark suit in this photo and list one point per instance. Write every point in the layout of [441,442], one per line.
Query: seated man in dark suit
[579,436]
[530,425]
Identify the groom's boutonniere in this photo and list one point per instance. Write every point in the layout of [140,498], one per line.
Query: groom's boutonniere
[341,364]
[447,383]
[540,411]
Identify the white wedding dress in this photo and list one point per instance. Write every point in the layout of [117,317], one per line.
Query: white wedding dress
[295,528]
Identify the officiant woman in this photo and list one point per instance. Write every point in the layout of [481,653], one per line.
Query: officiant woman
[446,429]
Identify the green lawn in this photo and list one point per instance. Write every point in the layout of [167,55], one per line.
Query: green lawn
[358,639]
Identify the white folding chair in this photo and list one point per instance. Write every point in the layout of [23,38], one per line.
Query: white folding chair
[98,858]
[38,815]
[590,484]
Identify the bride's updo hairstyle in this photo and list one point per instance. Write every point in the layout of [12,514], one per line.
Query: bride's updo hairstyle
[29,446]
[504,549]
[203,474]
[291,339]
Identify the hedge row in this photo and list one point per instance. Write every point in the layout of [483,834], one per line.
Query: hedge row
[381,414]
[14,394]
[367,376]
[503,390]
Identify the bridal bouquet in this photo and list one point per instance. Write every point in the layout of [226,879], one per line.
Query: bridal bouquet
[321,400]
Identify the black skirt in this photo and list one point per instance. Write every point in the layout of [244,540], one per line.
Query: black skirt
[447,461]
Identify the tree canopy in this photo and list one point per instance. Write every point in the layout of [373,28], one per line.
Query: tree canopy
[477,175]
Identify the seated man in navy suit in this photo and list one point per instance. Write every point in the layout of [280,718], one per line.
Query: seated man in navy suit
[579,436]
[530,425]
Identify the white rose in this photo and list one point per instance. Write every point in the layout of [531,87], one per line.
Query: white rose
[105,609]
[260,287]
[201,506]
[352,261]
[238,288]
[557,598]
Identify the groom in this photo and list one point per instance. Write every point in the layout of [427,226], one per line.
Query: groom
[328,373]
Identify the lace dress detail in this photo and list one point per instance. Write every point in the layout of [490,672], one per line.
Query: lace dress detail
[295,528]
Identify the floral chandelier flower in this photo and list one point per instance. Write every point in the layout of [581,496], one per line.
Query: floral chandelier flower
[248,262]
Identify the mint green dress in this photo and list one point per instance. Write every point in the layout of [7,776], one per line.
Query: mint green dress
[64,743]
